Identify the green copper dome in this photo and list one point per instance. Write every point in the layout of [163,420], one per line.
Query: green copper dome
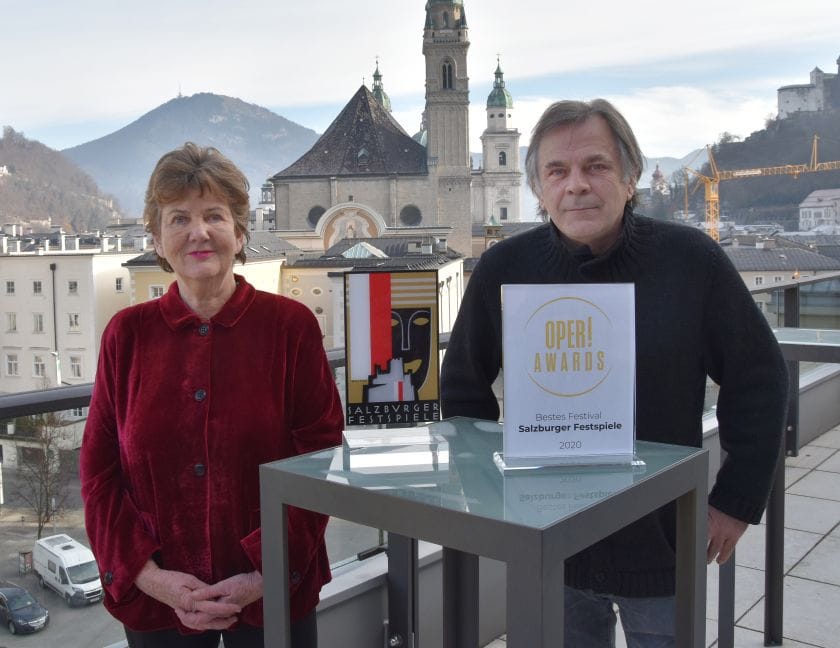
[499,97]
[378,90]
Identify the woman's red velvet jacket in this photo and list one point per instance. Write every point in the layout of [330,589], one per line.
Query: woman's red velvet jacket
[183,413]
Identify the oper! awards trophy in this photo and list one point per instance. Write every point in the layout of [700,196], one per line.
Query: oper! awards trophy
[569,375]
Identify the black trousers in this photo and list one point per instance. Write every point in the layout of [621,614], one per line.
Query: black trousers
[304,635]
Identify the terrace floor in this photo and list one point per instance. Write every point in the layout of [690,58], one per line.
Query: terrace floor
[811,559]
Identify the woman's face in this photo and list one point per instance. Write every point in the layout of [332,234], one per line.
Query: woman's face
[198,238]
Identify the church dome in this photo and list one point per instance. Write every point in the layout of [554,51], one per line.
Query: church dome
[499,97]
[378,90]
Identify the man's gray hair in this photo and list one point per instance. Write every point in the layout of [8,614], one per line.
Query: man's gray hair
[574,112]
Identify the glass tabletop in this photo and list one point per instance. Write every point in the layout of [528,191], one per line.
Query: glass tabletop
[455,470]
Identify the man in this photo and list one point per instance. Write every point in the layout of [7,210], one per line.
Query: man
[694,317]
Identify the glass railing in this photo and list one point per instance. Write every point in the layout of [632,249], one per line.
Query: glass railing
[815,302]
[346,541]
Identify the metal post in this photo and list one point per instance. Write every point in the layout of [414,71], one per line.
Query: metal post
[460,599]
[402,592]
[774,570]
[726,604]
[774,560]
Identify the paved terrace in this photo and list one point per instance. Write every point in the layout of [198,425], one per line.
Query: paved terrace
[811,559]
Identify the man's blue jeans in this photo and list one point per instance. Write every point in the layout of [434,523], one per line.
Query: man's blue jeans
[590,620]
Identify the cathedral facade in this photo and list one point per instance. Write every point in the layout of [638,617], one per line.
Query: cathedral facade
[366,177]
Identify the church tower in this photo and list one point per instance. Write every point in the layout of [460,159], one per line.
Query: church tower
[445,44]
[378,89]
[501,178]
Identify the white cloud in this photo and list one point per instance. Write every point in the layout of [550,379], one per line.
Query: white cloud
[102,60]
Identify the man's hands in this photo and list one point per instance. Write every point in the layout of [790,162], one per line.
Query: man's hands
[193,600]
[724,533]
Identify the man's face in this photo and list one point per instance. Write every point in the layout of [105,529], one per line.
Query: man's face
[581,182]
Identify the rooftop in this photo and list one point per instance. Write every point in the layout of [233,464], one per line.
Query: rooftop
[363,140]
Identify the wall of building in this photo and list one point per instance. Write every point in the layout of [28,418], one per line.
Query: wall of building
[385,196]
[828,213]
[314,288]
[90,303]
[798,98]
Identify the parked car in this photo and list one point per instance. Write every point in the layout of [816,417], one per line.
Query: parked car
[20,611]
[68,567]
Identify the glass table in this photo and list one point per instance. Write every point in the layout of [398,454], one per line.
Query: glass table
[451,493]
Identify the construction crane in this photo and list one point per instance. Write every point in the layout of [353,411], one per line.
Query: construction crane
[712,183]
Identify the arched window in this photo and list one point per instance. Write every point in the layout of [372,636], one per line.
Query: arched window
[446,75]
[446,19]
[410,215]
[314,215]
[502,158]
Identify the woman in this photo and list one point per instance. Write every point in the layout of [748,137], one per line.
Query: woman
[193,392]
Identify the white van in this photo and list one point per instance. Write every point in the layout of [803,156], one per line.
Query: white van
[68,567]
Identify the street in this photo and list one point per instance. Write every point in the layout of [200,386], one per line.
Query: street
[92,626]
[77,627]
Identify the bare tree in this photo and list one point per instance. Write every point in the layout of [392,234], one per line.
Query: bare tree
[43,477]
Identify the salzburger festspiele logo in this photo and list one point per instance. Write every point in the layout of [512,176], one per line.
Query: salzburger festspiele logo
[567,346]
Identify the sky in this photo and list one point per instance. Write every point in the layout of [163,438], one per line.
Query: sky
[682,73]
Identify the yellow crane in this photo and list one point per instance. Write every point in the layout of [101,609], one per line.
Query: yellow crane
[712,183]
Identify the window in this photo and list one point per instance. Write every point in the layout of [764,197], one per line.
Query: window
[10,287]
[36,287]
[118,284]
[446,75]
[73,321]
[410,215]
[155,292]
[314,215]
[37,322]
[78,412]
[11,364]
[503,213]
[759,281]
[38,367]
[73,287]
[777,279]
[76,366]
[502,158]
[11,322]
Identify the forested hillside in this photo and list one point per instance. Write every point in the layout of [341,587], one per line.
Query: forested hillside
[42,184]
[782,142]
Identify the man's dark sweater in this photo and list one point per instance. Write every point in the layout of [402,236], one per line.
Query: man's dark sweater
[694,317]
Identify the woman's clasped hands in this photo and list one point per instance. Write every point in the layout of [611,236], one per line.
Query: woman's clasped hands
[198,605]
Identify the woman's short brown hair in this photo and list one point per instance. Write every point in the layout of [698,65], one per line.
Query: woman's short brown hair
[197,167]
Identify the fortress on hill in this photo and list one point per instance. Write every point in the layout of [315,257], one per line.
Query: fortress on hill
[822,93]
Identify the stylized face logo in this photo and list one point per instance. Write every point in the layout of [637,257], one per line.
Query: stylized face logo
[410,340]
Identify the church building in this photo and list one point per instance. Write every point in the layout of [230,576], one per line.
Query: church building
[367,178]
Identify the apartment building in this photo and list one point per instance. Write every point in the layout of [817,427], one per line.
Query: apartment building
[53,309]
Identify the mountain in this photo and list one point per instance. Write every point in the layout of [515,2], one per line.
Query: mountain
[260,142]
[38,184]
